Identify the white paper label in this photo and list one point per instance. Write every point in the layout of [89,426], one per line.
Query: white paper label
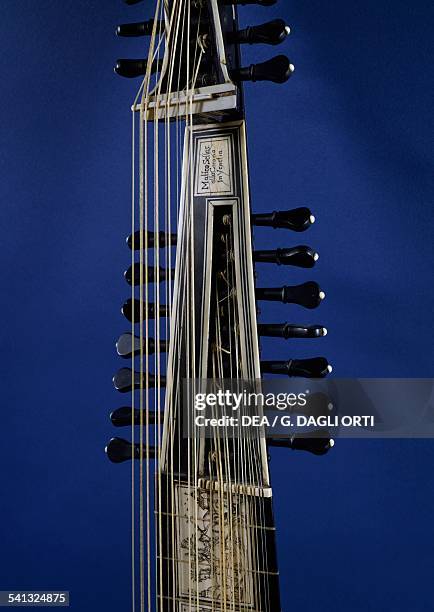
[214,170]
[215,550]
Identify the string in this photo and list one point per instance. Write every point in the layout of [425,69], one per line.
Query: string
[223,476]
[173,16]
[158,497]
[144,354]
[133,483]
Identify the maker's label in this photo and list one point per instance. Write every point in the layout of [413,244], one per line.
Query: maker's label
[215,548]
[214,166]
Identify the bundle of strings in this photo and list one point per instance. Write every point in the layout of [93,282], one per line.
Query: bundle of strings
[238,544]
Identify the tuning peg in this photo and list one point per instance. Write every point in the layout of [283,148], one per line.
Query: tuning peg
[270,33]
[125,379]
[133,306]
[161,238]
[129,344]
[277,70]
[297,220]
[305,368]
[141,28]
[300,256]
[318,442]
[286,331]
[150,276]
[131,68]
[126,416]
[308,294]
[130,2]
[119,450]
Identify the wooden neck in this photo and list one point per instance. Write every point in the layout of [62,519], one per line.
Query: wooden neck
[216,528]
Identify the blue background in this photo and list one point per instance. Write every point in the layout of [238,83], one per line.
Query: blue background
[350,136]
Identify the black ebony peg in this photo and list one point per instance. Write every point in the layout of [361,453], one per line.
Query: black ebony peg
[151,275]
[132,68]
[300,256]
[286,331]
[133,306]
[270,33]
[129,344]
[318,442]
[305,368]
[125,379]
[308,294]
[119,450]
[140,28]
[132,1]
[297,220]
[277,70]
[161,238]
[126,416]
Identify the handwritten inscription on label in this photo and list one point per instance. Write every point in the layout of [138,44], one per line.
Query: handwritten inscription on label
[214,175]
[215,550]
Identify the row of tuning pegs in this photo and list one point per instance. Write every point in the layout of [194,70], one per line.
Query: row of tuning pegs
[309,295]
[129,345]
[271,33]
[277,70]
[126,379]
[297,220]
[319,405]
[319,442]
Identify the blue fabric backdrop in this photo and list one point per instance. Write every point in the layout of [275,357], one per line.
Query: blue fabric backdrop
[351,136]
